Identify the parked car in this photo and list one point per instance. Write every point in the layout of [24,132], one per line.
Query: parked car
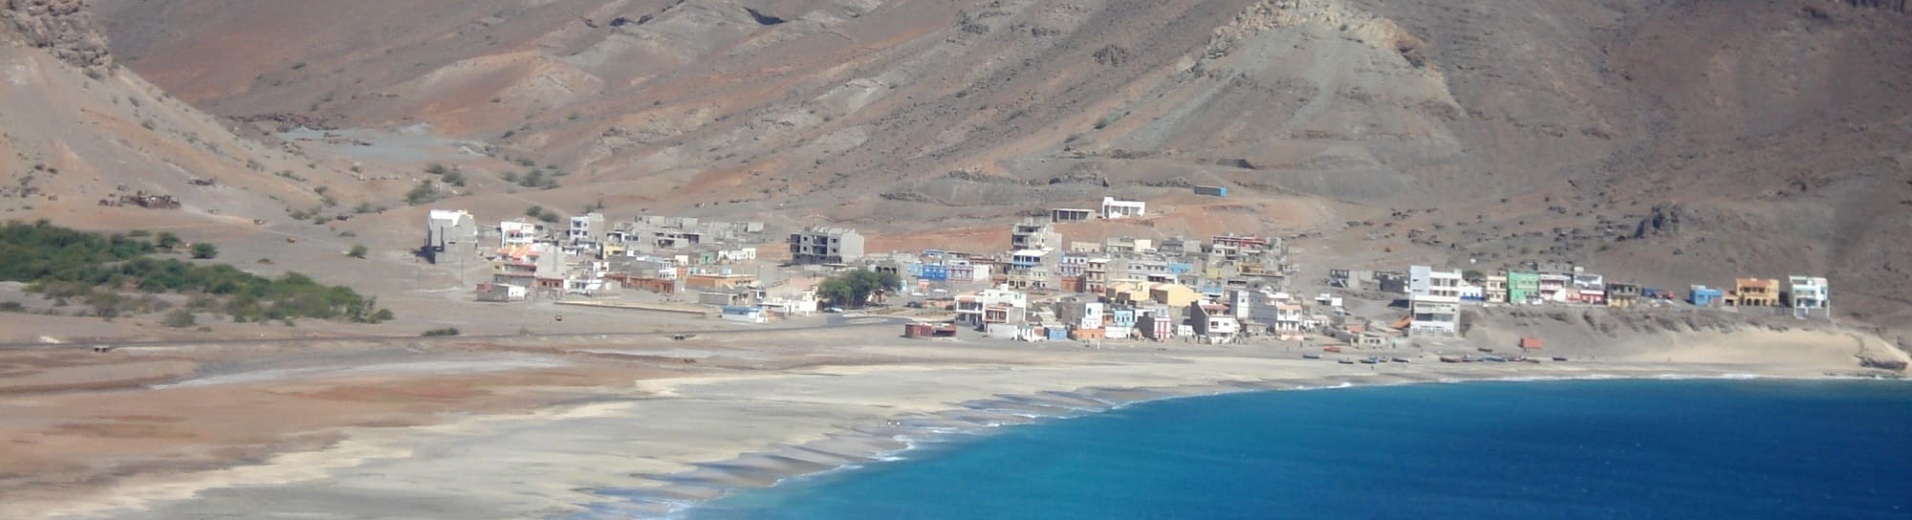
[833,310]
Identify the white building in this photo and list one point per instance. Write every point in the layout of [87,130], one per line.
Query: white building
[1213,323]
[970,307]
[1424,280]
[1808,294]
[1434,298]
[1113,208]
[1291,320]
[518,233]
[587,229]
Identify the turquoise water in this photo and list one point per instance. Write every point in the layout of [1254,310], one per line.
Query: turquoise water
[1565,449]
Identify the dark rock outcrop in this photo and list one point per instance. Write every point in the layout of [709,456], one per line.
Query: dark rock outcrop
[64,28]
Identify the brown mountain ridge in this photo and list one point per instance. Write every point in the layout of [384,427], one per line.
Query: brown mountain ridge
[1763,138]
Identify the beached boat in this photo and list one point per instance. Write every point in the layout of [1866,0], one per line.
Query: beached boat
[1310,356]
[1560,358]
[1399,360]
[1345,361]
[1369,361]
[1452,359]
[1331,349]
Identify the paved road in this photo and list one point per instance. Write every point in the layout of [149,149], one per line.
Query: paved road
[831,321]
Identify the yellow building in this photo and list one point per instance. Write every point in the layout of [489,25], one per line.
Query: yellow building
[1174,295]
[1125,292]
[1756,292]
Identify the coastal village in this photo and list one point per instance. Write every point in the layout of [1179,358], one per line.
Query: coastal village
[1042,286]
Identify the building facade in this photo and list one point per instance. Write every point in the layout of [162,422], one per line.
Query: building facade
[826,245]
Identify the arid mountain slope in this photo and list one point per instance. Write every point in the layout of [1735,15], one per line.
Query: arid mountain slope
[1774,131]
[80,128]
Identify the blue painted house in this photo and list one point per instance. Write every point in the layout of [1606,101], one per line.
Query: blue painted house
[1706,296]
[934,272]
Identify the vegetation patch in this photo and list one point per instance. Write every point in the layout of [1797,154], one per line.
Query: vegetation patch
[63,264]
[853,289]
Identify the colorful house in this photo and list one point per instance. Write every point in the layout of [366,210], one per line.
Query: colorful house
[1705,296]
[1120,323]
[1522,287]
[1156,327]
[1756,292]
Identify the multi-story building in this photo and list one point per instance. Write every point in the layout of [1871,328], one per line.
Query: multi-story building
[1120,323]
[1213,323]
[518,233]
[1034,233]
[1080,315]
[1590,289]
[1808,293]
[1434,302]
[1756,292]
[1156,326]
[587,229]
[1425,281]
[1072,264]
[970,308]
[1523,287]
[1494,288]
[1554,288]
[1291,320]
[1622,295]
[1095,275]
[826,245]
[450,231]
[1033,269]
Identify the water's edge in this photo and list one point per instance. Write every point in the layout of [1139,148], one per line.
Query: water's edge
[889,442]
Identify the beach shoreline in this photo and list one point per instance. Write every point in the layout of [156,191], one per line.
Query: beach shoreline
[894,441]
[752,416]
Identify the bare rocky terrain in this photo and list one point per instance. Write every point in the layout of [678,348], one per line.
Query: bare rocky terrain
[1665,142]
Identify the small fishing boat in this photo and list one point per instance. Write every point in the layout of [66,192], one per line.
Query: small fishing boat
[1331,349]
[1399,360]
[1310,356]
[1346,361]
[1369,361]
[1560,358]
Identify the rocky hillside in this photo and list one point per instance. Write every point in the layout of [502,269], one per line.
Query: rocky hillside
[64,28]
[1774,133]
[80,129]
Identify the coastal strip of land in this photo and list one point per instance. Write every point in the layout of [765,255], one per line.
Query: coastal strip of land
[641,427]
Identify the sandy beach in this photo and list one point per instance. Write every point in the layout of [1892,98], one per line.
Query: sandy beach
[640,426]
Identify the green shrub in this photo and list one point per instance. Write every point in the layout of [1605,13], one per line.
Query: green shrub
[63,264]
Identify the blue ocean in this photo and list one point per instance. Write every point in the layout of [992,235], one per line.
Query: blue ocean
[1508,450]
